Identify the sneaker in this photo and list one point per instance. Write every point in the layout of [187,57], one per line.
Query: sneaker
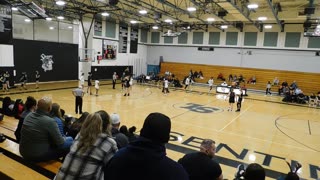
[238,110]
[125,95]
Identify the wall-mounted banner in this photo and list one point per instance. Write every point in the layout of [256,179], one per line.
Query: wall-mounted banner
[5,24]
[98,27]
[134,40]
[123,39]
[109,50]
[205,49]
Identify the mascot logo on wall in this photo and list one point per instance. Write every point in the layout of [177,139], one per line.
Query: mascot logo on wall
[46,62]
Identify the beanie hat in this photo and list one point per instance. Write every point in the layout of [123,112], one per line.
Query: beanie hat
[115,118]
[157,128]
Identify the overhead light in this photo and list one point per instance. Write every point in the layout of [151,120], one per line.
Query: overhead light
[27,20]
[224,27]
[262,18]
[253,6]
[143,12]
[268,26]
[60,3]
[191,9]
[210,19]
[318,27]
[155,27]
[133,22]
[51,28]
[188,27]
[70,27]
[105,14]
[60,17]
[49,19]
[168,21]
[14,9]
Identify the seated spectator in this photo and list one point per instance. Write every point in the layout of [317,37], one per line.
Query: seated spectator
[199,165]
[146,157]
[293,85]
[292,175]
[56,115]
[196,74]
[276,81]
[74,129]
[131,135]
[30,106]
[40,136]
[282,88]
[220,76]
[200,74]
[124,130]
[7,106]
[301,98]
[91,151]
[230,78]
[254,171]
[252,80]
[18,108]
[235,77]
[241,78]
[121,139]
[224,84]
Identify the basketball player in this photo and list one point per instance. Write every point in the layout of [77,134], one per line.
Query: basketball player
[89,82]
[187,83]
[231,99]
[166,86]
[127,86]
[114,80]
[4,84]
[210,82]
[7,77]
[131,82]
[96,85]
[240,97]
[82,80]
[37,79]
[23,80]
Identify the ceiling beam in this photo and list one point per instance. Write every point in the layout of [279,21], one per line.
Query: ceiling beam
[275,11]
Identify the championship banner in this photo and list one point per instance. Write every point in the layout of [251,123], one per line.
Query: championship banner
[123,39]
[134,40]
[109,50]
[5,24]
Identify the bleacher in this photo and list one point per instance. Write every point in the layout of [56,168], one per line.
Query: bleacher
[10,150]
[308,82]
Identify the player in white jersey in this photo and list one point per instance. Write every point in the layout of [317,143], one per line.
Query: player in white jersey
[187,83]
[210,82]
[82,80]
[96,85]
[166,86]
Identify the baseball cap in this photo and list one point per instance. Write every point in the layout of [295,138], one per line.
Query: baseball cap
[115,118]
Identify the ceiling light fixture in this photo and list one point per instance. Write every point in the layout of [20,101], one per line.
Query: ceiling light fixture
[143,12]
[60,3]
[210,19]
[191,9]
[253,6]
[27,20]
[168,21]
[14,9]
[155,27]
[268,26]
[262,18]
[224,27]
[318,27]
[133,22]
[105,14]
[51,28]
[70,27]
[49,19]
[60,17]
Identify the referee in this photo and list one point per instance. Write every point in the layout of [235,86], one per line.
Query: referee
[78,93]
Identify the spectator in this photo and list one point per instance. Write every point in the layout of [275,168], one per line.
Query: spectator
[224,84]
[91,151]
[40,136]
[220,76]
[121,139]
[276,81]
[76,126]
[253,172]
[230,77]
[146,158]
[294,85]
[200,165]
[56,115]
[30,106]
[131,134]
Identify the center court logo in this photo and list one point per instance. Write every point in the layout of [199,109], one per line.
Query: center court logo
[200,108]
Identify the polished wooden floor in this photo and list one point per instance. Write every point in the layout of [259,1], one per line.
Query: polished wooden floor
[266,131]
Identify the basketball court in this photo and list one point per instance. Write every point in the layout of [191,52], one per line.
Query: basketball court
[266,131]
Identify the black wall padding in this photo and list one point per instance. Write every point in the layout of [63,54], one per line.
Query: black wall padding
[27,58]
[106,72]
